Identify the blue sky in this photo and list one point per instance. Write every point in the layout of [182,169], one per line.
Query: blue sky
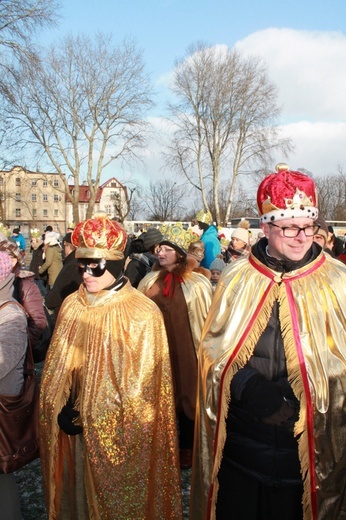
[302,42]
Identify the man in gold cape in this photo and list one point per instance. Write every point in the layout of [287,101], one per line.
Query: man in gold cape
[307,288]
[108,373]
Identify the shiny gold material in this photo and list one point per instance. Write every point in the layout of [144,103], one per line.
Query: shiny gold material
[204,216]
[282,167]
[109,356]
[314,307]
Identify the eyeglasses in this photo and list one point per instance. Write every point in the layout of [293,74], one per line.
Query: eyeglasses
[292,232]
[164,249]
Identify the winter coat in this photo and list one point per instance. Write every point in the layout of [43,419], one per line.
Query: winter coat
[13,341]
[26,292]
[36,262]
[212,246]
[67,282]
[53,263]
[139,265]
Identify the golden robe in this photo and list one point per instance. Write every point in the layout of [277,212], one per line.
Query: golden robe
[313,326]
[109,356]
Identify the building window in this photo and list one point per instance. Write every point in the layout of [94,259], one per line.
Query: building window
[56,198]
[56,213]
[108,209]
[18,197]
[45,184]
[33,183]
[33,197]
[18,212]
[113,184]
[45,197]
[17,181]
[34,212]
[45,212]
[56,183]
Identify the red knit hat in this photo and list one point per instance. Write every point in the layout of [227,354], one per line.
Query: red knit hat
[5,265]
[286,194]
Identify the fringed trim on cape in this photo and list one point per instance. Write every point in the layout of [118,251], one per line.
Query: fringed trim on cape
[296,380]
[240,356]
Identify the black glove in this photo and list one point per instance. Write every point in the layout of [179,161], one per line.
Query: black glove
[65,421]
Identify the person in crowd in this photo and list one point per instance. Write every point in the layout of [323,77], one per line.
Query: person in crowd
[271,426]
[321,236]
[36,249]
[19,239]
[141,262]
[53,259]
[239,245]
[335,244]
[216,268]
[26,292]
[195,255]
[108,439]
[183,297]
[68,279]
[13,344]
[209,237]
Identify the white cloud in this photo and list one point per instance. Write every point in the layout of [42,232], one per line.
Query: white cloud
[308,67]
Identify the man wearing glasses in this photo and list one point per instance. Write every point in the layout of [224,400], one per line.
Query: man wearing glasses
[271,427]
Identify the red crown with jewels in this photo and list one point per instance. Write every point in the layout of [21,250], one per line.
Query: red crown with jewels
[286,194]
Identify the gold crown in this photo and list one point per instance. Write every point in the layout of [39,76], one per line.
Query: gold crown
[4,230]
[99,237]
[204,216]
[177,236]
[35,233]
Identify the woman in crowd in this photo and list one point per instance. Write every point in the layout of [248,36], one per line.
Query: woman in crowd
[26,292]
[13,344]
[53,259]
[239,245]
[184,297]
[195,255]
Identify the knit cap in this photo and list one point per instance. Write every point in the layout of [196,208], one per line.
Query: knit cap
[151,237]
[5,265]
[217,265]
[242,234]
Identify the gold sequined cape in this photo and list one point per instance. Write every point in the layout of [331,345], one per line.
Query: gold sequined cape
[109,355]
[312,307]
[198,294]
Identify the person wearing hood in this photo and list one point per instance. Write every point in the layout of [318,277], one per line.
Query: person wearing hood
[53,259]
[141,262]
[183,297]
[212,246]
[107,421]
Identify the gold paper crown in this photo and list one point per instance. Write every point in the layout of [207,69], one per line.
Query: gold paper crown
[176,235]
[35,233]
[204,216]
[99,237]
[4,230]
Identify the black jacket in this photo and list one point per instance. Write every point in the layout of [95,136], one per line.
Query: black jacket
[67,282]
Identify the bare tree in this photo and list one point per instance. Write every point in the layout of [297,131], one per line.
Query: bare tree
[164,200]
[19,21]
[223,121]
[331,191]
[80,109]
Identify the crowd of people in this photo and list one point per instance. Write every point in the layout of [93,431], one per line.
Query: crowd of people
[175,351]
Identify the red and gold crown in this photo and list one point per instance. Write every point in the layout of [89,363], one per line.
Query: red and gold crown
[99,237]
[286,194]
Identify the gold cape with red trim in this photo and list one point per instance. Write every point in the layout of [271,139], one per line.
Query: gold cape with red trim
[109,354]
[312,313]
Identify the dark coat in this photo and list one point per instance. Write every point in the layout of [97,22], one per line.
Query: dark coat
[139,265]
[67,282]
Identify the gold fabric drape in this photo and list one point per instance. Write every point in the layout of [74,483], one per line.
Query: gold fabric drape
[109,356]
[312,315]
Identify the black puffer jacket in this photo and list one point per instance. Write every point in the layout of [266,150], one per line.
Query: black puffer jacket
[263,409]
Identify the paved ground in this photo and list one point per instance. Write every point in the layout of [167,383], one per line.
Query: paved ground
[30,484]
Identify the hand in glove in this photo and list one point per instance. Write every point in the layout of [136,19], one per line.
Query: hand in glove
[65,421]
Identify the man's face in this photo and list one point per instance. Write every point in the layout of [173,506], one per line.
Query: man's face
[288,248]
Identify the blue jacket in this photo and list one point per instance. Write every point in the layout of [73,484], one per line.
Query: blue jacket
[211,244]
[20,241]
